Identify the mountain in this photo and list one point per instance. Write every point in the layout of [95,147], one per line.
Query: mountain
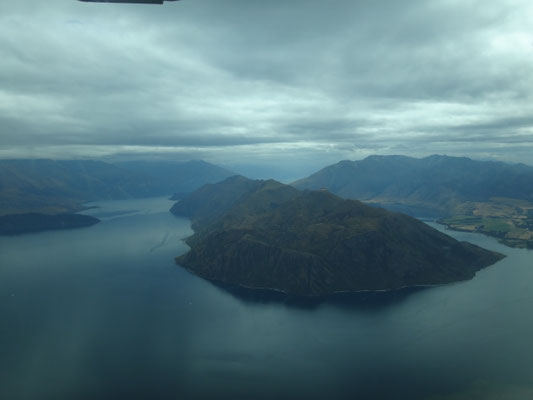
[488,197]
[263,234]
[435,183]
[212,200]
[56,186]
[176,177]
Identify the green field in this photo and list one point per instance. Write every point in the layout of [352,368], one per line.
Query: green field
[507,219]
[497,225]
[462,220]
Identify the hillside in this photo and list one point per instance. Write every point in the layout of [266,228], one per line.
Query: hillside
[436,182]
[56,186]
[176,177]
[479,196]
[315,243]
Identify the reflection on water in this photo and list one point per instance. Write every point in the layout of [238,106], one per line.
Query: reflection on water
[483,390]
[361,300]
[103,312]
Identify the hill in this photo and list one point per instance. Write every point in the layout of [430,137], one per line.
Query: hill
[57,186]
[176,177]
[482,196]
[314,243]
[437,182]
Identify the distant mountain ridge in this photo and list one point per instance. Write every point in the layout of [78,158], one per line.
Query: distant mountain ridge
[488,197]
[176,177]
[263,234]
[213,200]
[54,186]
[436,183]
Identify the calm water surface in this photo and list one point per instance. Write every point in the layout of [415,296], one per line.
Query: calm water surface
[103,312]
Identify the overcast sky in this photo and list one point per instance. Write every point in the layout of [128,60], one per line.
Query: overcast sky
[282,82]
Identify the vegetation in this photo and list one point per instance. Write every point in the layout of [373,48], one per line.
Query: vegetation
[43,194]
[52,187]
[509,220]
[262,234]
[488,197]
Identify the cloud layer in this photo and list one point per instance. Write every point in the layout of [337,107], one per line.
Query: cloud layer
[284,82]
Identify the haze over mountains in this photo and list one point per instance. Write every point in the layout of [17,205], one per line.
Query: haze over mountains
[489,197]
[484,196]
[263,234]
[53,186]
[40,194]
[436,184]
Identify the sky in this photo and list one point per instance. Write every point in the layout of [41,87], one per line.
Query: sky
[291,85]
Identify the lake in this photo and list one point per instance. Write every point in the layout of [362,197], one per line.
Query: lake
[104,312]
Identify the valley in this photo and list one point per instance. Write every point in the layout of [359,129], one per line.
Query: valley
[509,220]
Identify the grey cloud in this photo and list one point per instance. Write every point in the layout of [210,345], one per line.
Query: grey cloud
[498,125]
[312,79]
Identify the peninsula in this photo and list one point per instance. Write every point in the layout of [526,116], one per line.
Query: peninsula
[264,234]
[17,224]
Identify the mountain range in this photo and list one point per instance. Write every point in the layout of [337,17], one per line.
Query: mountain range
[435,183]
[489,197]
[43,194]
[55,186]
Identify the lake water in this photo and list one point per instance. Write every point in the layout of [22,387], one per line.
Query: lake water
[103,312]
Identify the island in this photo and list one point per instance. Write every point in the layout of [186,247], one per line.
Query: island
[262,234]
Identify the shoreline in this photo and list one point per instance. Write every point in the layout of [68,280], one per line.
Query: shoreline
[512,243]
